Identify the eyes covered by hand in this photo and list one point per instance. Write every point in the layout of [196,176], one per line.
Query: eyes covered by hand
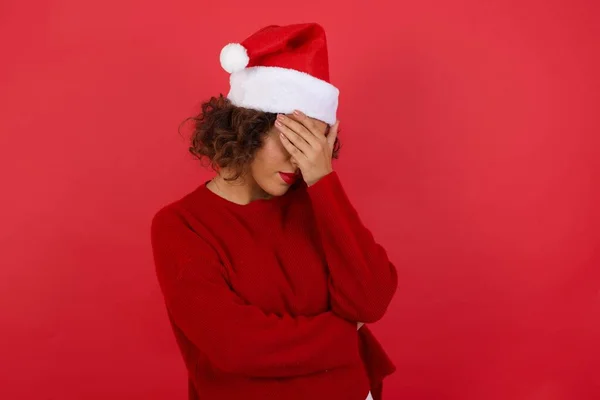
[310,143]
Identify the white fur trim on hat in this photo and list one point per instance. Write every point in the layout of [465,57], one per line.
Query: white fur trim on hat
[283,90]
[234,57]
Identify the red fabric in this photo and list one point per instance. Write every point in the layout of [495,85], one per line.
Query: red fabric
[302,47]
[264,298]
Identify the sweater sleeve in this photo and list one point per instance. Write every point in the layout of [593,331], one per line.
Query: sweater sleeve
[238,337]
[362,280]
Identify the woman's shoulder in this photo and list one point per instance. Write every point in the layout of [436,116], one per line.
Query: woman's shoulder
[176,227]
[180,210]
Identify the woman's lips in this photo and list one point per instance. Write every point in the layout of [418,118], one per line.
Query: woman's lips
[288,178]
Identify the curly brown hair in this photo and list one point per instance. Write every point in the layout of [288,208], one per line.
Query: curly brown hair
[229,136]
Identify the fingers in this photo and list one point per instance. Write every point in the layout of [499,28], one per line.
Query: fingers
[319,129]
[298,127]
[316,127]
[296,155]
[292,137]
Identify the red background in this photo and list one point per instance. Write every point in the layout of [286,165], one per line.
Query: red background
[470,133]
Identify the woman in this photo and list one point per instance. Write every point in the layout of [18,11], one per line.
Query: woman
[267,272]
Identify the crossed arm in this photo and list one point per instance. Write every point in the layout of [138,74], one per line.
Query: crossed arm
[238,337]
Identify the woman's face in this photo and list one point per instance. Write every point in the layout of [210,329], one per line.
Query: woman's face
[271,159]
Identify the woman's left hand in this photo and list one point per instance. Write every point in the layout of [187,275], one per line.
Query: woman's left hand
[310,148]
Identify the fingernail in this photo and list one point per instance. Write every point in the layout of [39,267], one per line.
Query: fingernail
[298,113]
[280,117]
[278,123]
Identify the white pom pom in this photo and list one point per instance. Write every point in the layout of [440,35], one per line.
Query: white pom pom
[234,57]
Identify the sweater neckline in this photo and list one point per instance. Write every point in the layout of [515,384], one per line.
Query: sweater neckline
[268,203]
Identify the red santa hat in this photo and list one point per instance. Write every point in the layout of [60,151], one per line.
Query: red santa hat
[282,68]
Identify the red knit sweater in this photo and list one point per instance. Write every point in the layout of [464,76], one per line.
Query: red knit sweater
[264,298]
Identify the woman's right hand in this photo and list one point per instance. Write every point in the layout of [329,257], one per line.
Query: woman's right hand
[359,325]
